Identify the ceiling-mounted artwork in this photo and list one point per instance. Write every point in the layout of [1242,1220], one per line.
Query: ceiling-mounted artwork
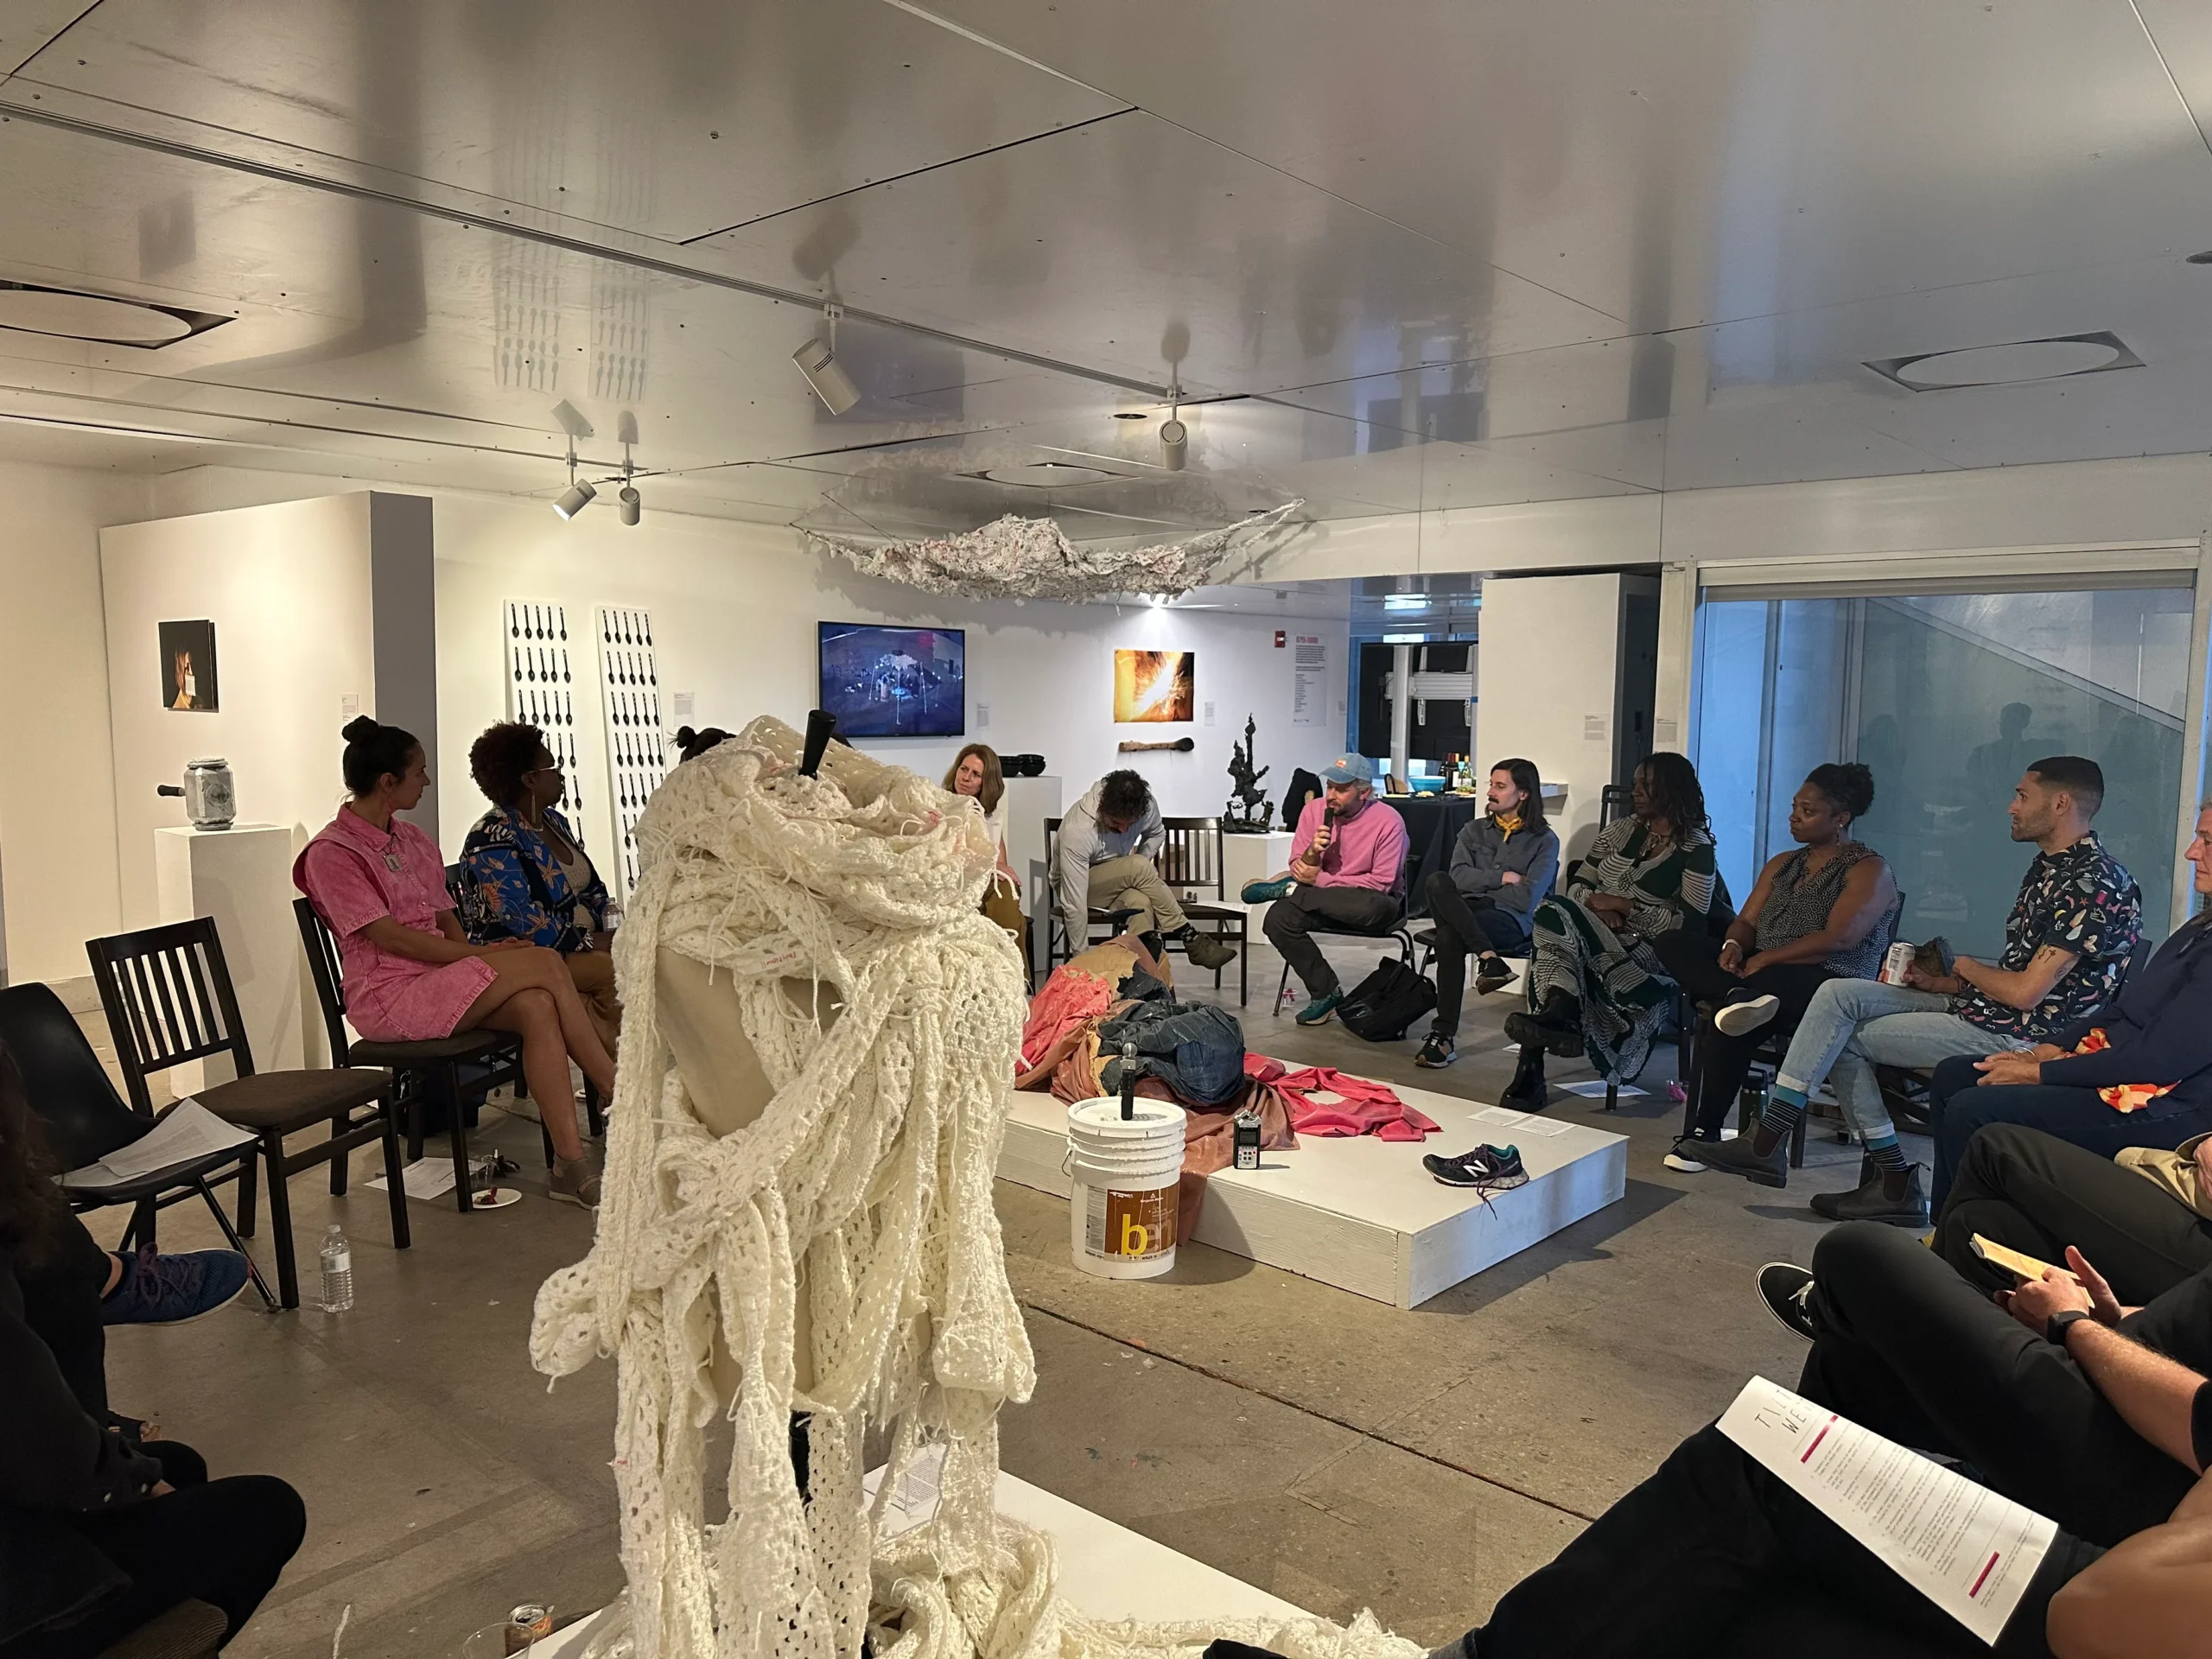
[1030,558]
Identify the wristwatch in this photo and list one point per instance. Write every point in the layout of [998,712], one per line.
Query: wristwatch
[2054,1329]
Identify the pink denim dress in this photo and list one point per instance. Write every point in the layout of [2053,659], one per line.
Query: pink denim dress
[353,873]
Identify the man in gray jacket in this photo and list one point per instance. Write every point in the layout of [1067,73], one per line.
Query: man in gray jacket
[1502,866]
[1107,844]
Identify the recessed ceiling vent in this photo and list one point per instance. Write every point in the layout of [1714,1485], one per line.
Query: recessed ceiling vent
[2016,364]
[67,314]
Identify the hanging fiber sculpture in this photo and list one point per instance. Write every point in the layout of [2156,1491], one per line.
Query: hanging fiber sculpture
[857,1206]
[1014,557]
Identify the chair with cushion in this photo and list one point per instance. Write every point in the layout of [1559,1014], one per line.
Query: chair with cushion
[457,1071]
[1190,863]
[168,998]
[83,1120]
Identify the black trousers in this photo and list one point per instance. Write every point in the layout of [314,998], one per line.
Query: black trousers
[1465,924]
[1713,1558]
[220,1541]
[1693,962]
[1958,1106]
[2038,1194]
[1291,919]
[1912,1351]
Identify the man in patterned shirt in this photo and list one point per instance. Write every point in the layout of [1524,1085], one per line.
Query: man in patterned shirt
[2067,944]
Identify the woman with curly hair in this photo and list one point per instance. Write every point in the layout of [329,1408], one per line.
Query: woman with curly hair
[1595,985]
[525,875]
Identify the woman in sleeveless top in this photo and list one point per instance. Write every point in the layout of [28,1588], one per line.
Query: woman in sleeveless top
[1823,912]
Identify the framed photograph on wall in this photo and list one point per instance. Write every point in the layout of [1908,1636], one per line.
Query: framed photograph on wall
[188,667]
[1154,686]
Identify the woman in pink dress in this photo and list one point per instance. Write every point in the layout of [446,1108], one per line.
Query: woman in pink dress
[411,974]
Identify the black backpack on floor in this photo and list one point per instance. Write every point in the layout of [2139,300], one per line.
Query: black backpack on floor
[1387,1002]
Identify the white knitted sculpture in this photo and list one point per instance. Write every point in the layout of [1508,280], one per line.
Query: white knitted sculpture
[864,1188]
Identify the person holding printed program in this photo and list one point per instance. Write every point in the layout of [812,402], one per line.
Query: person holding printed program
[1502,866]
[2067,945]
[1107,845]
[1347,869]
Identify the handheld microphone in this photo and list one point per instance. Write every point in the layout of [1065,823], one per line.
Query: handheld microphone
[820,725]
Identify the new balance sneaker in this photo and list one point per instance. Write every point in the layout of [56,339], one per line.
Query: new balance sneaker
[1437,1053]
[1265,893]
[172,1289]
[1320,1010]
[1494,1169]
[1787,1290]
[1742,1018]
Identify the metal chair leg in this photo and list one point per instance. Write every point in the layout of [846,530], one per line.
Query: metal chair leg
[248,1182]
[1282,990]
[280,1219]
[252,1268]
[458,1133]
[1613,1096]
[395,1179]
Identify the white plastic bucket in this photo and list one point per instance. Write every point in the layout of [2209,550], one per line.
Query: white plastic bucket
[1121,1207]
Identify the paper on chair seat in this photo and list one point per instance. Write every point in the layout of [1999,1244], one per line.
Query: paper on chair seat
[186,1131]
[1967,1549]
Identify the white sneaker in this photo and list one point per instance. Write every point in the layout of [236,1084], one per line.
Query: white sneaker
[1742,1018]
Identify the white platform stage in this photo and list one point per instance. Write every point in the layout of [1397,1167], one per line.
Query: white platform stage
[1106,1570]
[1361,1214]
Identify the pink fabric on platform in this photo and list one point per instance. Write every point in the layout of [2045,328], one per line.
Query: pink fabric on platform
[1361,1107]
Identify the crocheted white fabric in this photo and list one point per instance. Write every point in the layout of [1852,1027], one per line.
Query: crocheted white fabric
[1013,557]
[872,1165]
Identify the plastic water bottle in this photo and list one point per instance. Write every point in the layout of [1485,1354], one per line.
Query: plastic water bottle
[337,1271]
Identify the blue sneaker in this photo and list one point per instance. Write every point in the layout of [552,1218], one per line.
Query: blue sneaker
[1317,1012]
[1266,892]
[171,1289]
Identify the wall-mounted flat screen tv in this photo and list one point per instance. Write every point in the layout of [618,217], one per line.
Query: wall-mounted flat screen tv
[894,682]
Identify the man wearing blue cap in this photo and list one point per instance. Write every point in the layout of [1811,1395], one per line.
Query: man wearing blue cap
[1347,869]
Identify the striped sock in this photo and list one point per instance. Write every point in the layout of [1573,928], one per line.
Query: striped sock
[1886,1153]
[1784,1107]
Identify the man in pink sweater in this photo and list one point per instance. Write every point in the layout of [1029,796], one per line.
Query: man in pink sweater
[1348,864]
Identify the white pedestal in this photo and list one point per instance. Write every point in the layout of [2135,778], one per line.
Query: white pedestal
[1361,1214]
[1029,801]
[1254,858]
[242,877]
[1106,1571]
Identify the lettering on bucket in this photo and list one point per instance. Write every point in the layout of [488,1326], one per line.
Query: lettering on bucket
[1133,1226]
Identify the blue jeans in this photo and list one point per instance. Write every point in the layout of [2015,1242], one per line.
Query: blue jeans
[1854,1025]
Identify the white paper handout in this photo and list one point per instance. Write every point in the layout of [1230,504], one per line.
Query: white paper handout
[1522,1122]
[426,1177]
[188,1130]
[1967,1549]
[1594,1087]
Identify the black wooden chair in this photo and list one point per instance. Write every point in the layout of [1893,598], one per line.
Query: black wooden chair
[168,998]
[83,1120]
[457,1071]
[1190,862]
[1397,931]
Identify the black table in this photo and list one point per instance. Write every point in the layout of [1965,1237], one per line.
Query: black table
[1432,825]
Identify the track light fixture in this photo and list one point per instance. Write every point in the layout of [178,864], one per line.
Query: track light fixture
[574,500]
[627,498]
[1174,437]
[630,503]
[817,361]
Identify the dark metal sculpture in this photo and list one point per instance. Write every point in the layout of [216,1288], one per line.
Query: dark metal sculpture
[1247,811]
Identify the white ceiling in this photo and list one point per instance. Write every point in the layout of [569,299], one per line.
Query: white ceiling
[1409,254]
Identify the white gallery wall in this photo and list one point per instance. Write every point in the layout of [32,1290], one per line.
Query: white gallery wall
[734,608]
[57,792]
[1545,684]
[288,588]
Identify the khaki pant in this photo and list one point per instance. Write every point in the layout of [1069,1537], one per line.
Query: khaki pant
[593,971]
[1132,881]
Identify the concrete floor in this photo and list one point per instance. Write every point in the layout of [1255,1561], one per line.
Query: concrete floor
[1337,1452]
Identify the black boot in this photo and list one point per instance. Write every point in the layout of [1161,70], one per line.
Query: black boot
[1535,1031]
[1890,1195]
[1527,1093]
[1562,1011]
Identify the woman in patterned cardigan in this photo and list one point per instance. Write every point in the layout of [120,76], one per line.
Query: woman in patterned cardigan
[1594,985]
[525,875]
